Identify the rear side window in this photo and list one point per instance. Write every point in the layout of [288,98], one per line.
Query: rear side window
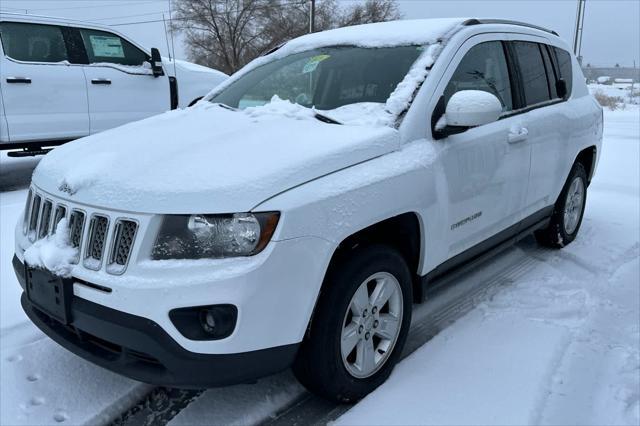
[484,67]
[33,42]
[105,47]
[552,75]
[532,72]
[564,64]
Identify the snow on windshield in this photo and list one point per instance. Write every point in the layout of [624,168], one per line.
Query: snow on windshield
[431,33]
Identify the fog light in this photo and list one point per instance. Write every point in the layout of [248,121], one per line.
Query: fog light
[208,321]
[205,322]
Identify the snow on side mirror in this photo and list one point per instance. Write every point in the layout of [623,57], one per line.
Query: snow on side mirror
[470,108]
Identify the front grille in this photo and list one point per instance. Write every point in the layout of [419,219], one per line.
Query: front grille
[61,213]
[33,220]
[124,236]
[27,213]
[42,216]
[96,240]
[76,226]
[45,219]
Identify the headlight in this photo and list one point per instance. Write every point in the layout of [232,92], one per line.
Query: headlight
[214,236]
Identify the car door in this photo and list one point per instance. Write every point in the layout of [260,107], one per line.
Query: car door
[548,122]
[486,168]
[44,96]
[121,85]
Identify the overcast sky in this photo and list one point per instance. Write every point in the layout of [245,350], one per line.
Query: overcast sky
[612,27]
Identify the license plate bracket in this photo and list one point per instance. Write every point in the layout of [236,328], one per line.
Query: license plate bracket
[49,293]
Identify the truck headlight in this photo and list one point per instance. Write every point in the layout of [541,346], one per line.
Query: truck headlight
[214,236]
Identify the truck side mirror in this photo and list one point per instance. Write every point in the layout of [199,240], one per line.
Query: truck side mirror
[156,63]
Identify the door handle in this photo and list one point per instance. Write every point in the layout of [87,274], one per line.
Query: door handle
[100,81]
[518,135]
[23,80]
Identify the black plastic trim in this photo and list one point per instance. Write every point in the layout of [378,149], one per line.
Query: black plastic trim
[139,348]
[32,145]
[173,92]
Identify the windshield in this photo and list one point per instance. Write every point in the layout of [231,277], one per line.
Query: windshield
[325,78]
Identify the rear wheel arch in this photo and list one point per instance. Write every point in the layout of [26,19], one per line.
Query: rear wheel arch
[587,157]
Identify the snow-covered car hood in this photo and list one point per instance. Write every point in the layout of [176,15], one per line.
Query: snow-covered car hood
[206,159]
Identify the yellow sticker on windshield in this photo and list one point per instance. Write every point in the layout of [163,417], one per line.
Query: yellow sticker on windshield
[313,62]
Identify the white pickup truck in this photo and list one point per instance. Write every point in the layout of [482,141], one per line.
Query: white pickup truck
[62,80]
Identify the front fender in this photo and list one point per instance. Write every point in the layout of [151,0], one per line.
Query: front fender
[340,204]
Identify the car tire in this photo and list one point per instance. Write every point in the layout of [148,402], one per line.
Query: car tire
[568,211]
[344,314]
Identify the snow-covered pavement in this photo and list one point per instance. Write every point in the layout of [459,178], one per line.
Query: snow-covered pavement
[556,343]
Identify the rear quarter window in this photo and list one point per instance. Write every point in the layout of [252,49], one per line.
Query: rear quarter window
[564,64]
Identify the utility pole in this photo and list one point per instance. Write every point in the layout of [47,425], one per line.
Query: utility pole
[312,17]
[577,36]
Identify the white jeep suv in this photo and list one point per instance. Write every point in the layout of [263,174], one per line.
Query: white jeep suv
[62,80]
[294,217]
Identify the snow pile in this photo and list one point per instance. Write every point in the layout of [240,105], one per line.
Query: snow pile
[361,114]
[53,252]
[280,107]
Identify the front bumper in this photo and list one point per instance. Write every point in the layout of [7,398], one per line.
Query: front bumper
[139,348]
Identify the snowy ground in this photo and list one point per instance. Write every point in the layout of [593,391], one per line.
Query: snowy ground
[557,341]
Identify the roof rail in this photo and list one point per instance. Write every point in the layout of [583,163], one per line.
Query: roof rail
[470,22]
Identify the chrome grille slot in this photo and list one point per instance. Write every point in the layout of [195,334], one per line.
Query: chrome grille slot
[96,240]
[33,219]
[122,245]
[27,213]
[61,213]
[76,228]
[45,219]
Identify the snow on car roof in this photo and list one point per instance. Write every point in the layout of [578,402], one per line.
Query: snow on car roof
[381,34]
[431,32]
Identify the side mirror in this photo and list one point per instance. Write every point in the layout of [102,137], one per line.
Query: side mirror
[468,108]
[156,63]
[561,88]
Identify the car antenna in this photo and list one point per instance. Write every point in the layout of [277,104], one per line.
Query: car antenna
[173,49]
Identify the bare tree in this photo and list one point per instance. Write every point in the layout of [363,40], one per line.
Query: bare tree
[227,34]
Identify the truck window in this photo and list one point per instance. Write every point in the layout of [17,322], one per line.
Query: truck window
[104,47]
[33,42]
[484,67]
[532,72]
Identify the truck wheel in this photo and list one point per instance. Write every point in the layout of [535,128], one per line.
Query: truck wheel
[359,326]
[567,214]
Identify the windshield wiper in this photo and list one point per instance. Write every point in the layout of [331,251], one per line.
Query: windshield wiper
[225,106]
[325,119]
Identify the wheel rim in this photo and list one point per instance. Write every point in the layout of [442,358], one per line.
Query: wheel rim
[371,325]
[573,205]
